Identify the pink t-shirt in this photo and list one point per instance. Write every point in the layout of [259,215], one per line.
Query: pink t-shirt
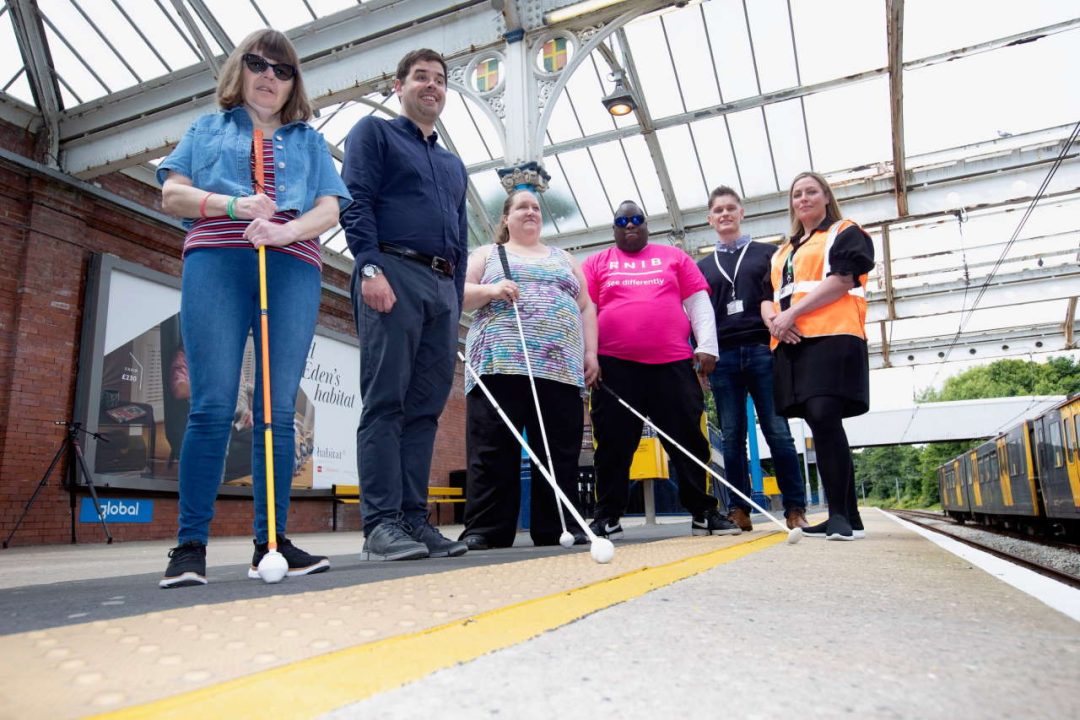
[639,300]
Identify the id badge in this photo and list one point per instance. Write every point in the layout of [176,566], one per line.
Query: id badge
[734,307]
[787,290]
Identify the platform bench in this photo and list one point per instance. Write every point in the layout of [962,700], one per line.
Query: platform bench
[350,495]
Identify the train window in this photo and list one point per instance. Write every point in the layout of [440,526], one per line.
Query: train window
[1070,436]
[1055,444]
[1014,458]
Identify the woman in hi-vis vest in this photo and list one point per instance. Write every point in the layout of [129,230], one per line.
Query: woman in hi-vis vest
[816,316]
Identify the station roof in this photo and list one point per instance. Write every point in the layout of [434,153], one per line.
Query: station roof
[940,125]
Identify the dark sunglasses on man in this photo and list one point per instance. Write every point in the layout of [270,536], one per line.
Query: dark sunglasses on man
[258,65]
[624,221]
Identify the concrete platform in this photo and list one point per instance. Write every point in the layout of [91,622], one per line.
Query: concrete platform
[892,626]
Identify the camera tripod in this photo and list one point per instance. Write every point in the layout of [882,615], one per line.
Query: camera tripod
[75,462]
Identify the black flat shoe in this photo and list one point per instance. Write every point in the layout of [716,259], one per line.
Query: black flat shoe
[476,542]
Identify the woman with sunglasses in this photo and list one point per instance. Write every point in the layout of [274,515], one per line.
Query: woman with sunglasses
[208,180]
[559,324]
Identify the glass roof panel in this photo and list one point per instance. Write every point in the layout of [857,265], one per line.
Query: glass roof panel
[730,48]
[788,136]
[865,46]
[682,165]
[686,34]
[992,94]
[285,15]
[560,207]
[156,22]
[932,26]
[563,125]
[586,185]
[323,8]
[654,69]
[105,63]
[646,180]
[714,152]
[586,91]
[771,33]
[463,120]
[752,152]
[236,17]
[862,138]
[618,179]
[11,63]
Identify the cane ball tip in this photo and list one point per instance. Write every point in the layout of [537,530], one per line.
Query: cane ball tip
[602,550]
[794,535]
[566,539]
[273,567]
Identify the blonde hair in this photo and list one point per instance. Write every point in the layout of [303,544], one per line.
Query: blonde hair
[832,209]
[502,236]
[230,89]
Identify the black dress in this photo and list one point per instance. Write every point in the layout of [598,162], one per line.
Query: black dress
[834,365]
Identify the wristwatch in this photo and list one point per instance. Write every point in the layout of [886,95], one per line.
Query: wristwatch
[369,271]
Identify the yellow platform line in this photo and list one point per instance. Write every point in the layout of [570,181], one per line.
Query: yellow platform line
[315,686]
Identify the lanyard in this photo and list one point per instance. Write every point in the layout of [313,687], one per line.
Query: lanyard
[738,263]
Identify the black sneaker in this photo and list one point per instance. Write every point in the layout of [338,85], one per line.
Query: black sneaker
[858,532]
[300,562]
[187,565]
[437,544]
[605,528]
[713,523]
[840,529]
[475,542]
[390,541]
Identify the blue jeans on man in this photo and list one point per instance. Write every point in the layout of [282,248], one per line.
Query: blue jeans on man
[739,371]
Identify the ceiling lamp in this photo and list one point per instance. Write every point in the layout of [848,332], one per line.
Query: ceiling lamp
[621,101]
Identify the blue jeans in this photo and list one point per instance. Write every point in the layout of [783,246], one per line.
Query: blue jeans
[749,368]
[219,304]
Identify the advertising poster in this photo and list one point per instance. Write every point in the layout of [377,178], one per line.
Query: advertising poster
[145,396]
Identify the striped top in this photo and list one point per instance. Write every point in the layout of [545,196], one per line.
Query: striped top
[549,316]
[223,232]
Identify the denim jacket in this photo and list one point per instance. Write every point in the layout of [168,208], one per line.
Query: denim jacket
[215,154]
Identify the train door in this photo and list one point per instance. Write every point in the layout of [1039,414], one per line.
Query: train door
[975,478]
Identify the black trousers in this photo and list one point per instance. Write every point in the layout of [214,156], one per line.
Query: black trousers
[493,479]
[671,397]
[407,359]
[824,415]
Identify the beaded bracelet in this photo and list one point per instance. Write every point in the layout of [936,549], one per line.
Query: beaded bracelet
[202,205]
[230,208]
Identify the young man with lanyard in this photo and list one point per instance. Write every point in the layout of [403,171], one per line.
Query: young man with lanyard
[735,271]
[648,297]
[408,233]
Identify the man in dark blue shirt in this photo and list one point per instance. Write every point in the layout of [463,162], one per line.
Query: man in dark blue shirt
[408,233]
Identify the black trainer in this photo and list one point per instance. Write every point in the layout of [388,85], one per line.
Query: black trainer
[713,523]
[437,544]
[187,565]
[836,527]
[606,528]
[390,541]
[300,562]
[858,532]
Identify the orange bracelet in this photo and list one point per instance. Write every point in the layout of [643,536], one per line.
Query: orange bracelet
[202,205]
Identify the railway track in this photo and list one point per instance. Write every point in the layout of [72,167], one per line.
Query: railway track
[940,524]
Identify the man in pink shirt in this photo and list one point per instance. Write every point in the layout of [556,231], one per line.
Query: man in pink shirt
[648,298]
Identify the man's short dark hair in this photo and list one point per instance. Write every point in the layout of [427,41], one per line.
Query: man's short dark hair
[421,55]
[723,190]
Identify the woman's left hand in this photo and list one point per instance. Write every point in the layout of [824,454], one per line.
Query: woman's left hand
[265,233]
[782,327]
[592,370]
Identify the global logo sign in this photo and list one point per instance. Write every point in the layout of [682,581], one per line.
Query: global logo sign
[117,510]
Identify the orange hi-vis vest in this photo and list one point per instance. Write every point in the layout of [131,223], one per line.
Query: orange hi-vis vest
[844,316]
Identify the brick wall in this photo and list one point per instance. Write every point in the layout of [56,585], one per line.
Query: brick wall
[48,232]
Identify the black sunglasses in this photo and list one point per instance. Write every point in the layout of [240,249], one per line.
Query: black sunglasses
[624,221]
[258,65]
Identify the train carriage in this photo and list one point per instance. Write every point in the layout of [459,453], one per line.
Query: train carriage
[1058,457]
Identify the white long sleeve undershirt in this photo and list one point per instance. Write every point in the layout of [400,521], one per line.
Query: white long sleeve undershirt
[703,321]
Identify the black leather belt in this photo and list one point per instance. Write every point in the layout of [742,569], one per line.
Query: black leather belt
[434,262]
